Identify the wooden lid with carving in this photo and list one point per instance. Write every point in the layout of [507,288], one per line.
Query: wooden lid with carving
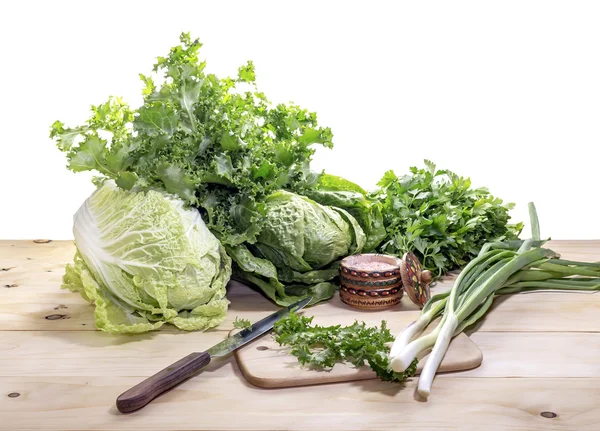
[415,280]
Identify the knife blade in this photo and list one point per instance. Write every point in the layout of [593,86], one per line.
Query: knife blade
[145,391]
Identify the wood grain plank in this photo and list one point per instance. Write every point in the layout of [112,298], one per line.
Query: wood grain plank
[27,260]
[30,292]
[23,310]
[226,403]
[43,366]
[81,353]
[563,311]
[540,354]
[543,311]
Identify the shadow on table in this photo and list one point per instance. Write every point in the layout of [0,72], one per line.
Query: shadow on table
[181,395]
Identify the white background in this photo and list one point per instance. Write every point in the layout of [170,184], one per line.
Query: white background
[507,93]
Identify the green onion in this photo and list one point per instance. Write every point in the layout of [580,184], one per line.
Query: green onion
[500,268]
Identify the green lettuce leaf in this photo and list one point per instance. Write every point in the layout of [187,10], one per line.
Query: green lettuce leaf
[344,194]
[297,253]
[144,259]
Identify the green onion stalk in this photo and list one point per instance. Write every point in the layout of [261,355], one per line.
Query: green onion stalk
[501,268]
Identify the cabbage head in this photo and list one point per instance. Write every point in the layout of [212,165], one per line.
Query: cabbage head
[297,252]
[144,259]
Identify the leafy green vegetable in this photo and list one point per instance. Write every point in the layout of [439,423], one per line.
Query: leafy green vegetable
[300,245]
[241,323]
[143,259]
[436,214]
[324,346]
[216,143]
[341,193]
[220,146]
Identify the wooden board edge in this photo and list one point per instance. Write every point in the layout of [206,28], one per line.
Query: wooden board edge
[264,383]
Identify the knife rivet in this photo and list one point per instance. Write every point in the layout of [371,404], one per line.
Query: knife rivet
[13,395]
[262,348]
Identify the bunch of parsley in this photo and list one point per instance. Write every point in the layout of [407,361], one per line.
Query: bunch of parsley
[324,346]
[217,143]
[438,216]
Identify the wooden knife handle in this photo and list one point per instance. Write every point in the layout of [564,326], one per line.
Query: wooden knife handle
[144,392]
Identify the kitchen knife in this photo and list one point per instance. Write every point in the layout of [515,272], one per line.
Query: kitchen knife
[144,392]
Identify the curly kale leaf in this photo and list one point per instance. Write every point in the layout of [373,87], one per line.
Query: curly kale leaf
[218,143]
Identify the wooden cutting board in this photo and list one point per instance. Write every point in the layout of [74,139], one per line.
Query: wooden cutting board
[267,365]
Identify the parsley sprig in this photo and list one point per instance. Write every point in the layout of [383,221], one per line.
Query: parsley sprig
[241,323]
[324,346]
[439,216]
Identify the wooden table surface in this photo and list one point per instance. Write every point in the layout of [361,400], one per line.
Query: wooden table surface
[541,366]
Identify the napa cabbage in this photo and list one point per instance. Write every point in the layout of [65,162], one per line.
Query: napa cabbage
[145,259]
